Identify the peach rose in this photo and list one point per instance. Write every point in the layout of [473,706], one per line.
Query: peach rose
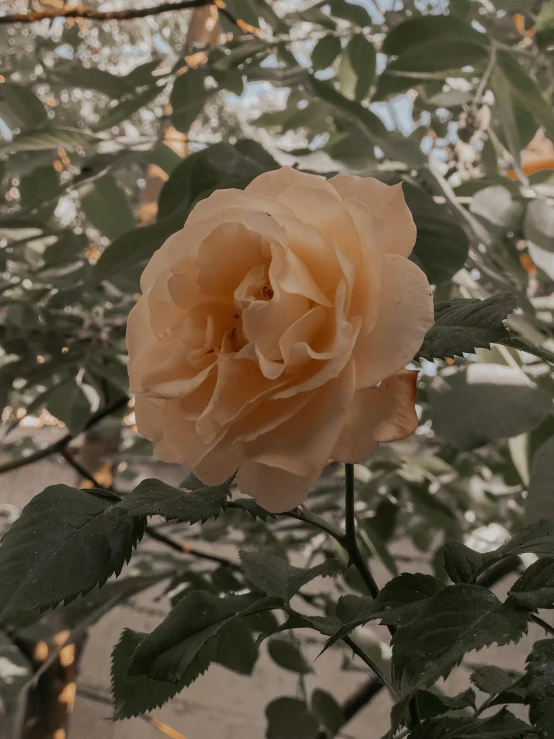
[273,330]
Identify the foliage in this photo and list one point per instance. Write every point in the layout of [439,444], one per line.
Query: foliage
[443,97]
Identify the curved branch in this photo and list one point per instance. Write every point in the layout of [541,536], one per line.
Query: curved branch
[60,445]
[100,15]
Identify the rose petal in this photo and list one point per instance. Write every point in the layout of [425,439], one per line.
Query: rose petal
[385,201]
[272,184]
[405,316]
[275,489]
[386,413]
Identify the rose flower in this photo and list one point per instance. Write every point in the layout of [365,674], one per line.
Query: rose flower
[273,331]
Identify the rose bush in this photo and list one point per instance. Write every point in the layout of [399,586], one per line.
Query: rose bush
[273,331]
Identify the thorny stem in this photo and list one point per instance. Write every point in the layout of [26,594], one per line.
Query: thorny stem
[373,666]
[540,622]
[350,539]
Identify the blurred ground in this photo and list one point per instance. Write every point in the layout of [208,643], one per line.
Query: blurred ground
[220,704]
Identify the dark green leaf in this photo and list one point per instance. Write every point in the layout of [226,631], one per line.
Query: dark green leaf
[462,325]
[82,535]
[398,601]
[486,402]
[351,12]
[492,680]
[457,620]
[431,704]
[69,403]
[325,52]
[236,648]
[535,588]
[249,505]
[187,99]
[441,246]
[328,711]
[539,684]
[500,726]
[90,78]
[417,31]
[188,636]
[38,186]
[461,563]
[357,68]
[537,538]
[289,718]
[287,655]
[544,23]
[25,104]
[272,574]
[156,498]
[134,695]
[540,503]
[106,206]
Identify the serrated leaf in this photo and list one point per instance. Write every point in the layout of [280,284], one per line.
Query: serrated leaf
[289,718]
[463,325]
[539,502]
[191,628]
[537,538]
[156,498]
[535,588]
[539,684]
[398,601]
[432,704]
[500,726]
[325,52]
[328,711]
[457,620]
[272,574]
[63,530]
[249,505]
[134,695]
[486,402]
[461,563]
[491,679]
[287,655]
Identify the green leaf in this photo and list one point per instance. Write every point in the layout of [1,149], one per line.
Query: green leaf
[289,718]
[183,645]
[90,78]
[351,12]
[236,648]
[398,601]
[500,726]
[457,620]
[69,531]
[325,52]
[492,680]
[25,104]
[69,403]
[126,108]
[156,498]
[539,684]
[187,99]
[484,403]
[357,68]
[134,695]
[272,574]
[15,673]
[418,31]
[535,588]
[539,503]
[441,246]
[538,224]
[431,705]
[497,209]
[287,655]
[48,138]
[524,90]
[38,186]
[106,206]
[544,23]
[249,505]
[537,538]
[465,324]
[328,711]
[461,563]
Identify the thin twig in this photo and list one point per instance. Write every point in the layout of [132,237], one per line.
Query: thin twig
[351,540]
[377,671]
[540,622]
[61,444]
[100,15]
[485,78]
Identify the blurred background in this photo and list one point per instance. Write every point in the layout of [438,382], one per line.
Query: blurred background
[111,129]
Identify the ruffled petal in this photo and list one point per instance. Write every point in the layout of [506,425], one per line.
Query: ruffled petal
[273,183]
